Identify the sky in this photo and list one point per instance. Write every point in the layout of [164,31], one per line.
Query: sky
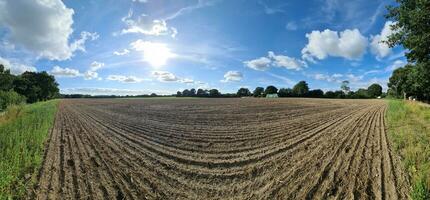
[130,47]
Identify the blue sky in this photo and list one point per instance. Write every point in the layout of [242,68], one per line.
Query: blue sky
[142,46]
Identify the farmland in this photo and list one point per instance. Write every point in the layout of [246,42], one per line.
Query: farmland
[220,149]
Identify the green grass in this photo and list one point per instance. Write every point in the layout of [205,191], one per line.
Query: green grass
[409,130]
[23,131]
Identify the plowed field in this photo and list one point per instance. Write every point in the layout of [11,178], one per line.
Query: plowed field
[220,149]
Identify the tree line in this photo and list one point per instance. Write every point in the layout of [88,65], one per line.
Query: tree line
[301,89]
[28,87]
[412,31]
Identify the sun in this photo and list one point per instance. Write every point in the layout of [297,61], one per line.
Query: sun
[156,54]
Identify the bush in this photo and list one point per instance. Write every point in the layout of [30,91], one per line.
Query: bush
[8,98]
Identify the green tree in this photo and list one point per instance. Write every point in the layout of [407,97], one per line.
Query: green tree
[179,93]
[285,92]
[301,89]
[374,90]
[412,28]
[316,93]
[271,90]
[345,87]
[361,94]
[243,92]
[214,93]
[400,81]
[258,92]
[330,94]
[36,86]
[193,92]
[202,93]
[6,79]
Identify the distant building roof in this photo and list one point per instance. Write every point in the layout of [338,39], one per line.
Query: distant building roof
[272,96]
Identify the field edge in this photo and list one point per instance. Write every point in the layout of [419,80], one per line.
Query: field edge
[23,135]
[409,132]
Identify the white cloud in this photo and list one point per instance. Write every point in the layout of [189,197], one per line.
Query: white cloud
[96,66]
[165,76]
[121,53]
[91,75]
[42,27]
[349,44]
[292,26]
[377,46]
[264,63]
[124,79]
[146,26]
[232,76]
[286,62]
[140,1]
[64,72]
[110,91]
[396,64]
[260,64]
[16,68]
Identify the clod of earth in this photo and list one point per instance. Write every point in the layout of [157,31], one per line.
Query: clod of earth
[220,149]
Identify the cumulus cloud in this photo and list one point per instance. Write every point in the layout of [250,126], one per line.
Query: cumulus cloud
[16,68]
[92,71]
[96,66]
[260,64]
[124,79]
[121,53]
[64,72]
[264,63]
[142,24]
[377,46]
[42,27]
[349,44]
[232,76]
[165,76]
[286,62]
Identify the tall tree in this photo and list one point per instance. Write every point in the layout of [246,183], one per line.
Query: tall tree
[214,93]
[374,90]
[36,86]
[301,89]
[344,86]
[412,28]
[243,92]
[258,92]
[285,92]
[271,90]
[6,79]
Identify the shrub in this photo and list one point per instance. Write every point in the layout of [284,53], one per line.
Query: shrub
[8,98]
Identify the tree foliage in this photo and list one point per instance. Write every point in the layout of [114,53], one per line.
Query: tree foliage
[258,92]
[34,86]
[412,31]
[271,90]
[301,88]
[243,92]
[374,90]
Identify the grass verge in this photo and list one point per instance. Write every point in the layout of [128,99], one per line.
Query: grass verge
[23,131]
[409,130]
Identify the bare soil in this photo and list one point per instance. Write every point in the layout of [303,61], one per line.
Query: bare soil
[220,149]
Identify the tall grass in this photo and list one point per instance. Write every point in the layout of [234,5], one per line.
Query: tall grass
[23,131]
[409,129]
